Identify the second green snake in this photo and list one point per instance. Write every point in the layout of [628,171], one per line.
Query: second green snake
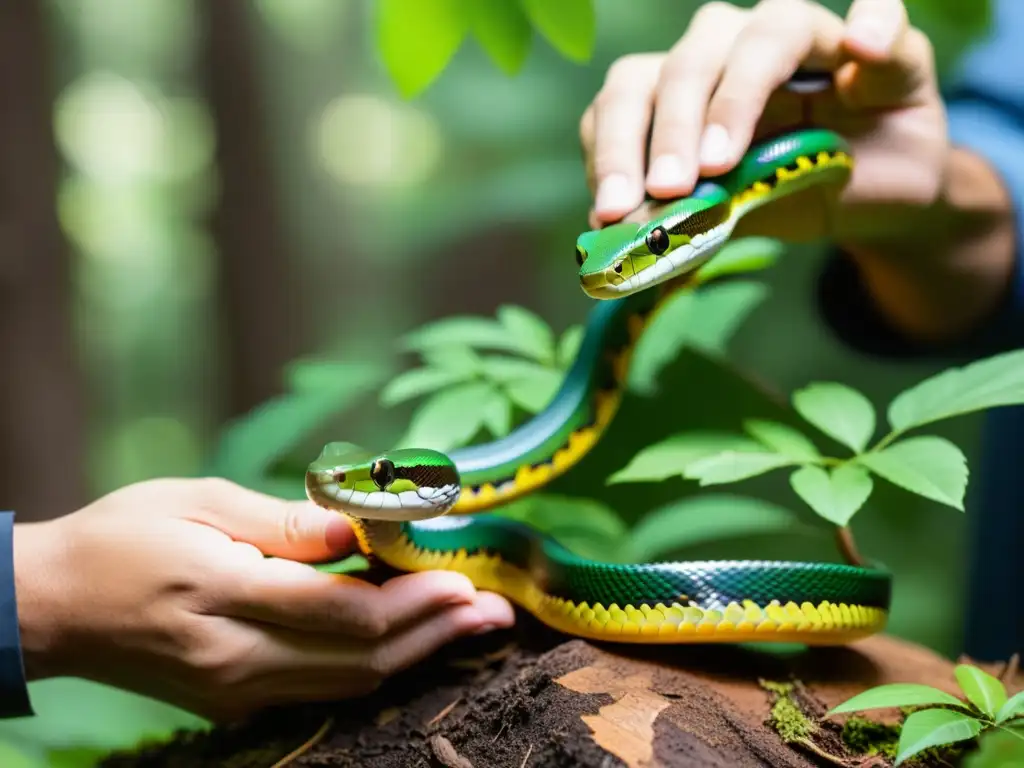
[412,507]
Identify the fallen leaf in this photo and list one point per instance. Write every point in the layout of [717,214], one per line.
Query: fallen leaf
[386,716]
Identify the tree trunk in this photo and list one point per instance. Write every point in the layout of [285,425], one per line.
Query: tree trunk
[528,698]
[41,408]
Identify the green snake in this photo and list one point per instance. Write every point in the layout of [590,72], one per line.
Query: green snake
[399,500]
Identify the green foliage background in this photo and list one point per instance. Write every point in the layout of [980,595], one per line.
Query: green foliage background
[488,149]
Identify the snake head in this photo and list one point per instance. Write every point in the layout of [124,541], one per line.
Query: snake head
[403,484]
[675,238]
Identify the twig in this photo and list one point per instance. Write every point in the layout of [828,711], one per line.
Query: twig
[444,712]
[810,746]
[848,547]
[526,757]
[307,745]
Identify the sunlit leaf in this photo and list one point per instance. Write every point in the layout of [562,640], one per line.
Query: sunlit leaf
[569,345]
[496,414]
[536,336]
[988,383]
[501,369]
[740,256]
[981,689]
[931,728]
[476,332]
[456,357]
[672,456]
[450,418]
[420,381]
[782,438]
[569,25]
[703,519]
[586,526]
[839,411]
[417,39]
[503,31]
[836,496]
[732,466]
[932,467]
[896,695]
[532,394]
[1014,707]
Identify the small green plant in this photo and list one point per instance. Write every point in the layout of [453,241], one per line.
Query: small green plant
[836,488]
[940,719]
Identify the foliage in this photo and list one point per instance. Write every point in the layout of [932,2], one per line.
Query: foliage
[939,719]
[836,488]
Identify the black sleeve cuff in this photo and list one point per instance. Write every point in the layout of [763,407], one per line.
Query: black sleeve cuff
[14,698]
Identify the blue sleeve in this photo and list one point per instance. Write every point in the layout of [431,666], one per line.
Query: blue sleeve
[985,104]
[14,699]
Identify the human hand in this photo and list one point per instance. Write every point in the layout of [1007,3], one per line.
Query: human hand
[162,588]
[719,88]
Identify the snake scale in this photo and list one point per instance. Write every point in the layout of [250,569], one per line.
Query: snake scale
[417,509]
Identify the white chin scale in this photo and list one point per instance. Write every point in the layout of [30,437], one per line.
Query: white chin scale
[686,257]
[407,505]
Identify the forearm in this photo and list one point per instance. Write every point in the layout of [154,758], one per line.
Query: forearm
[939,271]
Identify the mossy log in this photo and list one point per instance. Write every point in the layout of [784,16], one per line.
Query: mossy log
[529,699]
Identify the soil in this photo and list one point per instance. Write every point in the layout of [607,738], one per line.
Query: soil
[528,699]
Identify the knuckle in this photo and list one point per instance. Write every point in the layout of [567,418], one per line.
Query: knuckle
[371,623]
[213,489]
[381,664]
[715,12]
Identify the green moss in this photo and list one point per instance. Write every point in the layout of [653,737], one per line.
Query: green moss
[866,737]
[787,718]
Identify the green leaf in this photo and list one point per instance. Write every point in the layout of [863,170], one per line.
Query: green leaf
[672,456]
[837,496]
[569,345]
[896,695]
[839,411]
[457,357]
[569,25]
[476,332]
[503,31]
[782,439]
[350,564]
[989,383]
[417,39]
[932,728]
[536,336]
[585,526]
[997,749]
[932,467]
[741,256]
[534,393]
[702,519]
[1014,707]
[497,414]
[982,689]
[419,381]
[450,418]
[731,466]
[502,370]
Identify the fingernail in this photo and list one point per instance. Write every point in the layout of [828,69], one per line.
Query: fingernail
[614,194]
[666,171]
[714,146]
[484,629]
[873,33]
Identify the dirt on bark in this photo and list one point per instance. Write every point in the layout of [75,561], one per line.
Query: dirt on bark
[527,699]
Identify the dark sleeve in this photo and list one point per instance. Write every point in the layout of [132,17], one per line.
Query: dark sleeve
[985,104]
[14,699]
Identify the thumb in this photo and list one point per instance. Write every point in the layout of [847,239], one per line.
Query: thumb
[296,530]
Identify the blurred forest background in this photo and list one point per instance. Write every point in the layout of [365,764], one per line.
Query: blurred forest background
[195,195]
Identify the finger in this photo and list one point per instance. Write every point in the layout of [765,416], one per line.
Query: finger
[873,27]
[298,530]
[781,36]
[587,146]
[291,595]
[622,117]
[688,77]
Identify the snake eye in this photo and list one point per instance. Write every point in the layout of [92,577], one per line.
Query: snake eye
[658,241]
[382,473]
[618,268]
[581,255]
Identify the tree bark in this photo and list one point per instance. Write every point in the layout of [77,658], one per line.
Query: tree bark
[41,402]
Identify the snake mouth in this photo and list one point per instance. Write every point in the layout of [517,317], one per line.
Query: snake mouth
[424,502]
[686,258]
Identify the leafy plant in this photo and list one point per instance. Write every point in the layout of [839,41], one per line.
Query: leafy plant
[941,719]
[837,487]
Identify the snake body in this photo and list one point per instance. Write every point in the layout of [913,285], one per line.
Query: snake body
[417,509]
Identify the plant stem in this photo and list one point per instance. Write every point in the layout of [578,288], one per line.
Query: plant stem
[848,547]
